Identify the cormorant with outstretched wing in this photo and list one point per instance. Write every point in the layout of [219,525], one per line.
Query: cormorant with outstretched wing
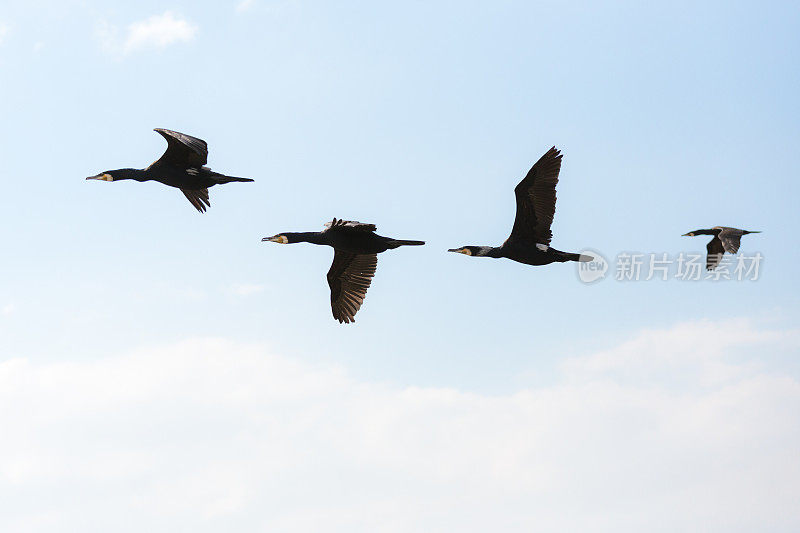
[356,248]
[529,242]
[182,166]
[725,239]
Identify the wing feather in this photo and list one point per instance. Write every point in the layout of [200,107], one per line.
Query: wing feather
[349,278]
[182,149]
[731,239]
[350,224]
[536,201]
[198,198]
[715,251]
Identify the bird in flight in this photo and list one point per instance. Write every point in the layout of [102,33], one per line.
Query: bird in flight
[356,247]
[725,240]
[529,242]
[181,166]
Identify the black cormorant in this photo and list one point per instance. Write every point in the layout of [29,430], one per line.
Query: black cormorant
[529,241]
[181,166]
[356,248]
[725,240]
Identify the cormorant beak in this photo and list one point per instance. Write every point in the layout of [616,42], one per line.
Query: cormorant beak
[464,251]
[690,234]
[103,177]
[280,239]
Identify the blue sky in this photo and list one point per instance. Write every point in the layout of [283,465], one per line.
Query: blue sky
[419,117]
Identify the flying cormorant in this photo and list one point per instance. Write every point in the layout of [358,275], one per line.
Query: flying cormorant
[181,166]
[356,248]
[529,241]
[725,240]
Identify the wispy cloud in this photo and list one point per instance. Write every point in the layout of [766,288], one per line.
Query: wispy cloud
[210,431]
[159,31]
[244,5]
[271,6]
[155,32]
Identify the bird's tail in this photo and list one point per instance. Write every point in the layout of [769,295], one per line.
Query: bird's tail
[581,258]
[228,179]
[394,243]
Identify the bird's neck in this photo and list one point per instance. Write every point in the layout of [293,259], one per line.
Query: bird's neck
[314,237]
[488,251]
[130,174]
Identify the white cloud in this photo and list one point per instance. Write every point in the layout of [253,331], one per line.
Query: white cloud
[691,351]
[159,31]
[155,32]
[210,434]
[274,7]
[244,5]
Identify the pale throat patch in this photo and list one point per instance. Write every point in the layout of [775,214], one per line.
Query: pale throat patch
[465,251]
[281,239]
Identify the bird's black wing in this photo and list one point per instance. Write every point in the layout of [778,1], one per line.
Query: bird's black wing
[350,224]
[198,198]
[536,201]
[349,278]
[182,149]
[731,239]
[715,251]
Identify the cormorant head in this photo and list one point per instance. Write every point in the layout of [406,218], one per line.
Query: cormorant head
[108,175]
[119,174]
[288,237]
[279,238]
[466,250]
[695,233]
